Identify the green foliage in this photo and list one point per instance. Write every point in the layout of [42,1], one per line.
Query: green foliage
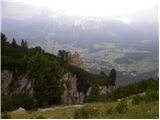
[14,101]
[24,44]
[13,56]
[148,96]
[23,100]
[47,75]
[14,44]
[112,75]
[46,70]
[6,103]
[132,89]
[3,39]
[94,94]
[109,110]
[151,95]
[102,73]
[86,112]
[63,57]
[5,116]
[137,99]
[122,107]
[43,69]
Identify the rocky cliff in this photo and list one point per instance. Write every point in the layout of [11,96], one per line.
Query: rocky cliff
[22,84]
[71,94]
[14,83]
[10,83]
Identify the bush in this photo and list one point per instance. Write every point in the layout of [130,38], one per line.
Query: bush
[109,110]
[151,95]
[86,112]
[132,89]
[137,99]
[14,101]
[23,100]
[122,107]
[6,103]
[5,116]
[94,94]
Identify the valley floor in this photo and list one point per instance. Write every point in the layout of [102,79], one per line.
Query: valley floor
[145,110]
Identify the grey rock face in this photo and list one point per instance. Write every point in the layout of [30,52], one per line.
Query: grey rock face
[70,93]
[23,84]
[6,79]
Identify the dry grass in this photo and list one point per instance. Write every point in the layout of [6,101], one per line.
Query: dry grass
[146,110]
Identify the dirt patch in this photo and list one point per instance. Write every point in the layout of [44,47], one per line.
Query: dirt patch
[59,107]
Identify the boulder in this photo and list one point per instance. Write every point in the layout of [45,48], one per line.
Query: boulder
[20,110]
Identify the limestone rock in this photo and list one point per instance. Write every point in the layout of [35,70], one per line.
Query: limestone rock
[23,84]
[20,110]
[70,92]
[6,79]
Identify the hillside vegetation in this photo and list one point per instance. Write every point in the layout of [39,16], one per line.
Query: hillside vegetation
[101,110]
[45,73]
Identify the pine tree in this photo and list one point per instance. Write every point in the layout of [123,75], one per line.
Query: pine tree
[112,77]
[95,93]
[14,42]
[24,44]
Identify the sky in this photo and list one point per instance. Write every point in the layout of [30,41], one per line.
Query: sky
[124,10]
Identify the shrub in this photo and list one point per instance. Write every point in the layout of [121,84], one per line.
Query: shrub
[122,107]
[5,116]
[132,89]
[137,99]
[151,95]
[86,112]
[94,94]
[109,110]
[6,103]
[74,100]
[23,100]
[14,101]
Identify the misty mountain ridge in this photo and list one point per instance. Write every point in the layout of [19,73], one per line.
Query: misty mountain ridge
[115,39]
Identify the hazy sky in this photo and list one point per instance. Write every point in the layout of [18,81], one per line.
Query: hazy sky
[119,9]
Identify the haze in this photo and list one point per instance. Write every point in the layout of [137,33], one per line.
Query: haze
[124,10]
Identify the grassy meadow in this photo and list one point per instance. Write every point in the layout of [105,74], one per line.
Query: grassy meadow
[106,110]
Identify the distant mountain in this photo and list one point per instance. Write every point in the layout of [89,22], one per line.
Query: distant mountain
[80,29]
[101,42]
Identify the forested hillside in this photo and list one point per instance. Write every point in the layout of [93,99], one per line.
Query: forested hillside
[37,77]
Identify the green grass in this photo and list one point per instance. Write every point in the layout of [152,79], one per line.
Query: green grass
[145,110]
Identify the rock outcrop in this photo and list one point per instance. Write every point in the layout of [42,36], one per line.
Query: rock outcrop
[74,59]
[17,85]
[20,110]
[6,79]
[70,93]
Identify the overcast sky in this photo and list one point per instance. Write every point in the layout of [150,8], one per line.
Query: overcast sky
[125,10]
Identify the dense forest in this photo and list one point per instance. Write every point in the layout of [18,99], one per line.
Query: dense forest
[45,72]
